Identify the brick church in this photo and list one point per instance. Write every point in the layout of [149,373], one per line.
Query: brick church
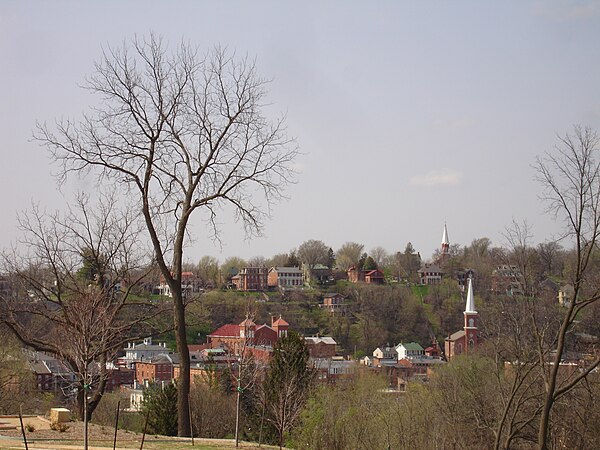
[465,340]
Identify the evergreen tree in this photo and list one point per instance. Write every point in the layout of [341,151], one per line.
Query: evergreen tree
[288,383]
[160,404]
[330,259]
[370,264]
[293,260]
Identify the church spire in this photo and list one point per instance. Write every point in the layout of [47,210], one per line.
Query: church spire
[470,306]
[445,240]
[445,244]
[471,317]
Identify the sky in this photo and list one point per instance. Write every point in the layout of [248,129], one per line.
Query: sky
[408,115]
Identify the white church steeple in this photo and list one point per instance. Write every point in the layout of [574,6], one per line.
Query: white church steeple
[445,240]
[470,306]
[471,317]
[445,244]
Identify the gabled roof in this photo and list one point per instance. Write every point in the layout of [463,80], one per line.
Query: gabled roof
[405,362]
[39,367]
[163,358]
[430,268]
[197,347]
[228,330]
[374,272]
[410,346]
[280,322]
[456,336]
[317,340]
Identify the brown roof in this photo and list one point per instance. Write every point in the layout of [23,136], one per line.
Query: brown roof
[280,322]
[197,347]
[229,330]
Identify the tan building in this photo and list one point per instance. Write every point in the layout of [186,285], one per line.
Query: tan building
[285,277]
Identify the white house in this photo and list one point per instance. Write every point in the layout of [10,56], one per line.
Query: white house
[385,353]
[145,351]
[409,350]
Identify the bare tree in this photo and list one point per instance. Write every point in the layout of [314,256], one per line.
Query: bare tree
[16,378]
[208,270]
[570,177]
[71,276]
[379,255]
[245,372]
[348,255]
[550,254]
[278,260]
[287,383]
[183,132]
[521,254]
[313,252]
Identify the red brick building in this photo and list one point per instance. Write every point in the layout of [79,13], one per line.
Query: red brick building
[157,369]
[251,279]
[465,340]
[119,376]
[245,334]
[356,275]
[321,347]
[374,277]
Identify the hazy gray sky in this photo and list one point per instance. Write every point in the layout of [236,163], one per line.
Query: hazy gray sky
[409,114]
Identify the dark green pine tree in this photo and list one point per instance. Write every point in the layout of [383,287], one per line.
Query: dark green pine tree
[160,405]
[330,259]
[293,260]
[370,264]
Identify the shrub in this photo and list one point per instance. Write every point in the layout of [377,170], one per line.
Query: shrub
[60,427]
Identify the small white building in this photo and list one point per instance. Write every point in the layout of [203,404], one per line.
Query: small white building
[385,353]
[409,350]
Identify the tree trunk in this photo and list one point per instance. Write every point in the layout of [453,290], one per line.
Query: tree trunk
[183,383]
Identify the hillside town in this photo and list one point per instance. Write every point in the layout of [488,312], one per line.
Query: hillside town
[300,226]
[332,296]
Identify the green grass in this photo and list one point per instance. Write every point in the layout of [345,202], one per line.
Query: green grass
[433,318]
[420,290]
